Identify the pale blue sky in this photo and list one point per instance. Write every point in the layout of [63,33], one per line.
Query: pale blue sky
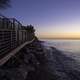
[48,16]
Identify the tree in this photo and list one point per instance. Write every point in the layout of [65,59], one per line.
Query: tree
[30,28]
[4,4]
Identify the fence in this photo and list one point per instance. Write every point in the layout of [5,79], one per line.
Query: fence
[8,34]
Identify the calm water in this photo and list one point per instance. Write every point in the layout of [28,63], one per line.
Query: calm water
[69,47]
[65,45]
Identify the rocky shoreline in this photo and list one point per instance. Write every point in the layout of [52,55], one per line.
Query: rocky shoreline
[36,62]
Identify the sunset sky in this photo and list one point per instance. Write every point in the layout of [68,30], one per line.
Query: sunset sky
[51,18]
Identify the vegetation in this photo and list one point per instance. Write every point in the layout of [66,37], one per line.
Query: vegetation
[4,4]
[30,28]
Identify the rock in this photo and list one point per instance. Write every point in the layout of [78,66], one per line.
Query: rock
[36,62]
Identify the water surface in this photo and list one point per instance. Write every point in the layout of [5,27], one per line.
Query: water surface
[69,47]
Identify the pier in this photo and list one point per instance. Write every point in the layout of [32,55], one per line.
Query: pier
[13,37]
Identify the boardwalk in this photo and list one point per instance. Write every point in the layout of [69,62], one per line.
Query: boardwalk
[13,52]
[13,37]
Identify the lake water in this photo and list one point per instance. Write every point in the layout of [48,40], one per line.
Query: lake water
[70,47]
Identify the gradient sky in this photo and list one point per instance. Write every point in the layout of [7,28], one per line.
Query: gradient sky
[51,18]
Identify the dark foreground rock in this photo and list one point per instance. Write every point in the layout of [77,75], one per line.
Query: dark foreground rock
[36,62]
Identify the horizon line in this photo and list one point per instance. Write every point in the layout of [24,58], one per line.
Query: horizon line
[63,38]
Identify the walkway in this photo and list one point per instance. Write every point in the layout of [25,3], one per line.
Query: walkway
[13,52]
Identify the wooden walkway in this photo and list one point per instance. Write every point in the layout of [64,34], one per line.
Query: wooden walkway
[13,52]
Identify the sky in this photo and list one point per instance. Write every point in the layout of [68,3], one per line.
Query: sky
[50,18]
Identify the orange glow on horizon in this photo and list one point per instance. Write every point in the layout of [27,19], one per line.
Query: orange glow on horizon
[60,35]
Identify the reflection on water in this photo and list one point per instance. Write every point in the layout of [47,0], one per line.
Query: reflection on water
[65,45]
[69,47]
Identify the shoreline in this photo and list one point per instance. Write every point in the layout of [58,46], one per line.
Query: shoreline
[36,62]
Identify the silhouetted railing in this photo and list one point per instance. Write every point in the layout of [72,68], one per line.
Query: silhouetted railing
[12,34]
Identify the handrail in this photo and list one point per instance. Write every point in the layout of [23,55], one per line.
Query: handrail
[12,53]
[15,20]
[11,20]
[2,16]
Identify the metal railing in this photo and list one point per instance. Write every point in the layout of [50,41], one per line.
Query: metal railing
[9,34]
[13,37]
[13,52]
